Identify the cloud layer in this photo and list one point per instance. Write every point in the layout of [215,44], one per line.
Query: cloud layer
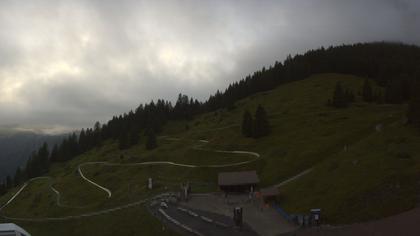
[70,63]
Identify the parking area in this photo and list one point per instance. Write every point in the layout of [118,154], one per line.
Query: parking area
[189,221]
[264,220]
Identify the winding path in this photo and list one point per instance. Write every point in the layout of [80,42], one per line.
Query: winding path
[293,178]
[255,156]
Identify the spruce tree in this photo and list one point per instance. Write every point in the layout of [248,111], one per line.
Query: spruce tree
[123,141]
[133,137]
[247,124]
[151,142]
[97,133]
[3,189]
[43,159]
[82,141]
[261,125]
[367,92]
[413,113]
[18,177]
[54,154]
[9,182]
[29,169]
[339,98]
[394,92]
[378,96]
[74,147]
[349,96]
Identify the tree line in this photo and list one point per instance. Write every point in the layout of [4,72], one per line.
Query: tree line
[393,66]
[405,90]
[126,129]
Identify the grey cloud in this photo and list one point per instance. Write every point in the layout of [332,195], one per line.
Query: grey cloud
[69,63]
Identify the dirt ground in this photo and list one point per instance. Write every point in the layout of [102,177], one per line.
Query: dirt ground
[265,221]
[407,224]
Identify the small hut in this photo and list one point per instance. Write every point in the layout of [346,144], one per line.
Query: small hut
[243,181]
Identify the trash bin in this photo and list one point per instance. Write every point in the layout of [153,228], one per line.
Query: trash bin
[316,216]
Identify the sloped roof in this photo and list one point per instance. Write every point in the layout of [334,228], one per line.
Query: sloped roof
[238,178]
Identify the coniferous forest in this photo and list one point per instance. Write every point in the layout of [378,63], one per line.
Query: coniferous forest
[393,66]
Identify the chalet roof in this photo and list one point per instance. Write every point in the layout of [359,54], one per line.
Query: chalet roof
[238,178]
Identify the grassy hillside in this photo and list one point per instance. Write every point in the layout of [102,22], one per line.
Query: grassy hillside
[376,176]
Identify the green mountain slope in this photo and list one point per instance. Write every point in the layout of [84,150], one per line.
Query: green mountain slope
[376,175]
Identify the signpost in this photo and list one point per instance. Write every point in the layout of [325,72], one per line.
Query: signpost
[150,184]
[316,216]
[237,216]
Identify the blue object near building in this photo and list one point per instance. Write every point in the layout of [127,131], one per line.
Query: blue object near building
[281,211]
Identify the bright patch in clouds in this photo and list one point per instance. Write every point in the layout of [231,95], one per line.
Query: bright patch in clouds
[8,91]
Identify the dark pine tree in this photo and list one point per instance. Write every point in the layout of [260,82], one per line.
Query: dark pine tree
[413,113]
[18,177]
[134,137]
[30,169]
[339,98]
[367,91]
[378,97]
[123,142]
[151,142]
[349,96]
[54,154]
[43,159]
[82,141]
[3,189]
[261,125]
[9,182]
[247,124]
[74,147]
[97,137]
[394,92]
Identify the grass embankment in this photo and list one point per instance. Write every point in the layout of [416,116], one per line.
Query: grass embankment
[375,177]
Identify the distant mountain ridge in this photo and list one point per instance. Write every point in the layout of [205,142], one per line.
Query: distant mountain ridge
[16,147]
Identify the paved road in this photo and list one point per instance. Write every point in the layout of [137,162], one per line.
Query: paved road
[202,227]
[265,221]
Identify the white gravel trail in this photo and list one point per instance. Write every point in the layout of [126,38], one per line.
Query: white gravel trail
[255,156]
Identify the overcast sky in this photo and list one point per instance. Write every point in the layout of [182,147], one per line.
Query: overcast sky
[66,64]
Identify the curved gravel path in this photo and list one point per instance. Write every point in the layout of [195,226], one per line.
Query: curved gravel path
[109,193]
[255,156]
[71,217]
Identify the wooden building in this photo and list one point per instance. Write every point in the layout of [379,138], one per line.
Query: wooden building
[243,181]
